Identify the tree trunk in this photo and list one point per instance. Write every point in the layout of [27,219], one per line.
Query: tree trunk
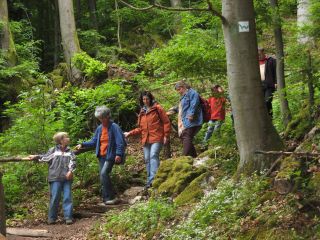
[2,209]
[6,39]
[57,39]
[70,41]
[303,19]
[284,105]
[253,126]
[93,13]
[310,80]
[79,13]
[175,3]
[177,19]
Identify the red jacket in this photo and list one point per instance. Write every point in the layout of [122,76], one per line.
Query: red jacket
[153,125]
[217,105]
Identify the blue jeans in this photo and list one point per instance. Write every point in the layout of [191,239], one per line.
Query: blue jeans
[105,171]
[151,157]
[55,195]
[213,126]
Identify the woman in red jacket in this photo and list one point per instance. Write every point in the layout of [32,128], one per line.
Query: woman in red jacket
[154,128]
[218,112]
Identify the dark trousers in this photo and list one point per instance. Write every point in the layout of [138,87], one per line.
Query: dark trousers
[187,136]
[268,95]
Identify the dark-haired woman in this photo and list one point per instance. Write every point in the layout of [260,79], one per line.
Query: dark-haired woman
[154,128]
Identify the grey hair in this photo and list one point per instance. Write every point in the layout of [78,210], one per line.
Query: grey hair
[59,136]
[180,84]
[102,112]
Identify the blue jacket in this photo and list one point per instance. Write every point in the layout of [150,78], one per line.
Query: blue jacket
[190,106]
[116,144]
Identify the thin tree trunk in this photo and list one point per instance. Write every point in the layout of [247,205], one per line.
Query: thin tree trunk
[177,18]
[118,23]
[175,3]
[70,41]
[57,39]
[93,13]
[2,209]
[310,80]
[79,13]
[284,105]
[303,19]
[253,126]
[6,39]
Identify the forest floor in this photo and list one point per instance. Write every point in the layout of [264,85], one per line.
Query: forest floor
[87,215]
[85,218]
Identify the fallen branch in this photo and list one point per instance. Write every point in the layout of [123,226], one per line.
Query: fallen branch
[301,154]
[22,159]
[156,5]
[28,232]
[13,159]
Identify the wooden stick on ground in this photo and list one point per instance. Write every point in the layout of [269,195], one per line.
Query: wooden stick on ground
[301,154]
[28,232]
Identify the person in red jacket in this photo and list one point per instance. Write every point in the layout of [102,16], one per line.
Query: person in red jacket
[218,112]
[154,127]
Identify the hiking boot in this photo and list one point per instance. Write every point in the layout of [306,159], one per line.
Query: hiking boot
[111,202]
[51,221]
[69,221]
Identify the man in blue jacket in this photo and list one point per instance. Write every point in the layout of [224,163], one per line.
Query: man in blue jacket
[110,145]
[190,117]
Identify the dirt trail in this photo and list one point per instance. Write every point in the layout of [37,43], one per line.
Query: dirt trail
[85,220]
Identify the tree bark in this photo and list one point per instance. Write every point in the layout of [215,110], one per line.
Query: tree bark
[2,209]
[57,39]
[175,3]
[253,126]
[303,19]
[281,86]
[6,39]
[310,81]
[79,13]
[93,13]
[70,41]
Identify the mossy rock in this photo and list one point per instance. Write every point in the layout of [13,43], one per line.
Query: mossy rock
[314,184]
[59,76]
[288,178]
[174,175]
[290,167]
[193,192]
[298,127]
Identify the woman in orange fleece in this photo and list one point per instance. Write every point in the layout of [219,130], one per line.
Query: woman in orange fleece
[154,127]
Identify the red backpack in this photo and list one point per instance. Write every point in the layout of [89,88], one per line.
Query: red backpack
[206,109]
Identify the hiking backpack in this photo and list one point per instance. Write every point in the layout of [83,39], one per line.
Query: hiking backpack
[206,110]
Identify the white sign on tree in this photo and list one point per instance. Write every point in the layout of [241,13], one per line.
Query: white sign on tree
[244,26]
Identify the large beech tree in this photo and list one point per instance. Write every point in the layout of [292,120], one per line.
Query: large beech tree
[6,40]
[69,34]
[253,126]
